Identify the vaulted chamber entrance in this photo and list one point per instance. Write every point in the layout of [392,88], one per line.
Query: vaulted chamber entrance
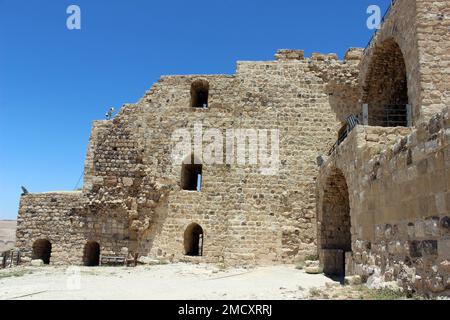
[335,234]
[91,254]
[386,88]
[193,240]
[42,249]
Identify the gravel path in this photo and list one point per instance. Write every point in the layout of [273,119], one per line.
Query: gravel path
[173,281]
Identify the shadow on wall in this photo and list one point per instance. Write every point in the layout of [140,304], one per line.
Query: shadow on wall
[386,88]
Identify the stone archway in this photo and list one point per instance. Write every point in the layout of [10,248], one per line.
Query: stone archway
[193,240]
[42,249]
[91,254]
[386,87]
[335,224]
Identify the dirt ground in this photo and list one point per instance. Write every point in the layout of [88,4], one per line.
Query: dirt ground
[171,281]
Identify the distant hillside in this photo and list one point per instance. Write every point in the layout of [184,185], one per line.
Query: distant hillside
[7,234]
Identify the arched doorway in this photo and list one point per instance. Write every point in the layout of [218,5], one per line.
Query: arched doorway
[91,255]
[42,249]
[193,240]
[386,87]
[191,174]
[335,224]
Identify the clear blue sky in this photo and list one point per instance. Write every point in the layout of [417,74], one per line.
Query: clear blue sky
[55,82]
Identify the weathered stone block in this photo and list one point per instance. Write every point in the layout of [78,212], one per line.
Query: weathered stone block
[313,270]
[444,249]
[37,263]
[353,280]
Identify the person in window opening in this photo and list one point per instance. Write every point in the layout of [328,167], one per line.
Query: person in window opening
[202,97]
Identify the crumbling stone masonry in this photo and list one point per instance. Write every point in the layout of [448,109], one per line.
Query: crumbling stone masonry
[377,206]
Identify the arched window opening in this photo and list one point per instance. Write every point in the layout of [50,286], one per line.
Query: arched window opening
[42,249]
[193,240]
[191,174]
[386,88]
[200,94]
[91,255]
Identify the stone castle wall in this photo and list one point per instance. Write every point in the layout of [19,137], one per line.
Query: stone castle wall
[377,207]
[247,216]
[399,203]
[394,181]
[433,43]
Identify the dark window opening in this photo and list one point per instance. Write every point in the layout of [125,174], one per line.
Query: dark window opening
[191,176]
[91,256]
[193,240]
[199,94]
[42,249]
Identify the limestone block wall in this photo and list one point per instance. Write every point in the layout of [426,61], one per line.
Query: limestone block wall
[132,193]
[65,220]
[433,42]
[51,217]
[408,196]
[339,196]
[399,203]
[249,217]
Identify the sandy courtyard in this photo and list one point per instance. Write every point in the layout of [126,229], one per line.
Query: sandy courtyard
[173,281]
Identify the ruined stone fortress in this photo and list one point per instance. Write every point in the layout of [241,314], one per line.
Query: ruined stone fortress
[363,178]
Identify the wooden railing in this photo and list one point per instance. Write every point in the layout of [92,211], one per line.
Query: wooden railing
[10,258]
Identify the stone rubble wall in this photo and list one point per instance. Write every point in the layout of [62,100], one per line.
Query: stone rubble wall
[51,216]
